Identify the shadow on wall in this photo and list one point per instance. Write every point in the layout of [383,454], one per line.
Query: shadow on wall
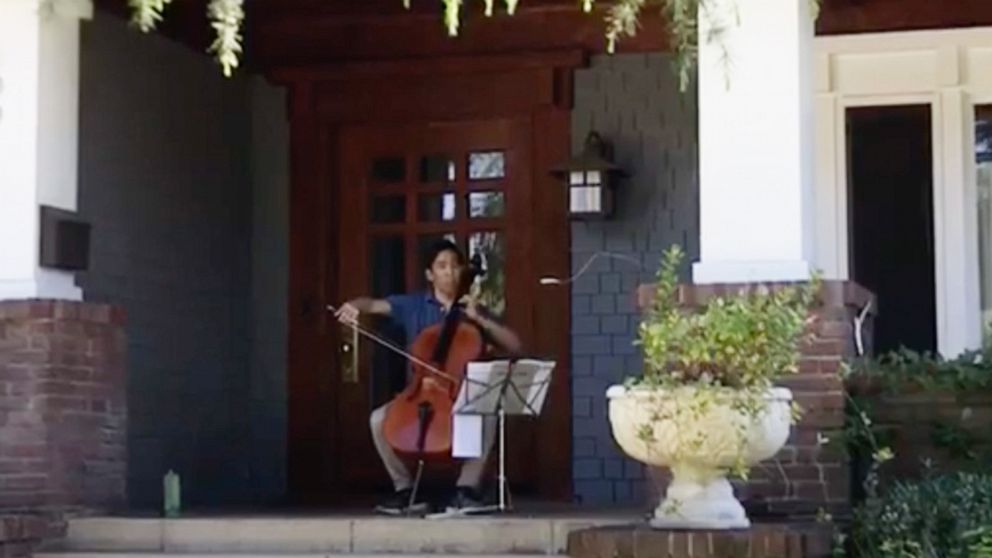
[187,203]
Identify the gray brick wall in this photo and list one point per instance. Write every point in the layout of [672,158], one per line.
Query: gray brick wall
[269,287]
[633,101]
[164,179]
[189,217]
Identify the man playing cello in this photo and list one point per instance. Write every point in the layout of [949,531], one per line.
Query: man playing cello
[443,268]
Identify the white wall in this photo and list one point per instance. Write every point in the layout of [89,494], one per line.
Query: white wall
[39,83]
[952,71]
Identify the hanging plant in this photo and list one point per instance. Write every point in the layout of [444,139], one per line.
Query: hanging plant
[621,19]
[226,17]
[146,13]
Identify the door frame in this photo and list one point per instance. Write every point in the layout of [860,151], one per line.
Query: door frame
[948,69]
[537,86]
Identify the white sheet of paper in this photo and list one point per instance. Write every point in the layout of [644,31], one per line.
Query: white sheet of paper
[476,396]
[466,436]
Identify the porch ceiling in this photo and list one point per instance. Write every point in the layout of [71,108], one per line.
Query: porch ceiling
[283,33]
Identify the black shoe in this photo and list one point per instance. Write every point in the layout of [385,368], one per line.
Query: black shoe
[467,501]
[399,504]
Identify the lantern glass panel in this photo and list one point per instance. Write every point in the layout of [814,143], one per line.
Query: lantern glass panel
[585,199]
[576,178]
[594,177]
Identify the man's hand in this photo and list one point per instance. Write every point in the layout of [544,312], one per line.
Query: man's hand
[503,336]
[347,314]
[471,308]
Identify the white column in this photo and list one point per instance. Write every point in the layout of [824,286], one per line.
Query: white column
[756,142]
[959,317]
[39,121]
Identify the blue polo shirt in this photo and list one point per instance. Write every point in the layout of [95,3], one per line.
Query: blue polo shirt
[418,311]
[415,312]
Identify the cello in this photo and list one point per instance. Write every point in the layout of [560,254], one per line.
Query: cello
[418,420]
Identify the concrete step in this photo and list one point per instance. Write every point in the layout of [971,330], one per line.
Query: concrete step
[223,555]
[307,536]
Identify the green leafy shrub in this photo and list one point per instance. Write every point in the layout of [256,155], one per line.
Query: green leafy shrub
[905,371]
[726,354]
[949,516]
[746,341]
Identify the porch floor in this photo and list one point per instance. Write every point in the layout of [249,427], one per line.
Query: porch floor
[540,531]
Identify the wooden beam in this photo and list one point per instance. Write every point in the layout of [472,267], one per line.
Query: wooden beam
[281,33]
[292,39]
[436,67]
[872,16]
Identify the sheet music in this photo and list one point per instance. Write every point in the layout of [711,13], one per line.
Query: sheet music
[466,436]
[466,425]
[480,396]
[525,393]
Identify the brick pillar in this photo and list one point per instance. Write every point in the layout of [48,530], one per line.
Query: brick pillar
[806,475]
[62,405]
[20,535]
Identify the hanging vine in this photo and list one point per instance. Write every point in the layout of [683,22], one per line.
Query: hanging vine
[621,19]
[146,13]
[226,18]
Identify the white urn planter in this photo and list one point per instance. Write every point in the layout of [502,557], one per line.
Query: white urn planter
[698,447]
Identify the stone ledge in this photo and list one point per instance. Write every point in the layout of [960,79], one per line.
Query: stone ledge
[71,310]
[17,528]
[21,535]
[772,540]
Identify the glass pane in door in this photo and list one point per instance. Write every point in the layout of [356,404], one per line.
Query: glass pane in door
[983,164]
[436,207]
[437,169]
[387,262]
[486,204]
[491,247]
[485,165]
[388,169]
[388,209]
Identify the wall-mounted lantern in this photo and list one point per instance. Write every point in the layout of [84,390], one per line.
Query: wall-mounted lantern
[591,178]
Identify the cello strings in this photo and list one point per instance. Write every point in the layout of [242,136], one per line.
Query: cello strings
[393,347]
[389,345]
[430,368]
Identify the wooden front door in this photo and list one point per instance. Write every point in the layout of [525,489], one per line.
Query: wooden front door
[402,188]
[385,158]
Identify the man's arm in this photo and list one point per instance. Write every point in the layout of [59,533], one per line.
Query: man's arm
[349,311]
[501,335]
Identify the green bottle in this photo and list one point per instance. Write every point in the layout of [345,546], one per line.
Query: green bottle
[171,494]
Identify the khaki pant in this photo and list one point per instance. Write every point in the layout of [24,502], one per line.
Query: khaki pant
[472,469]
